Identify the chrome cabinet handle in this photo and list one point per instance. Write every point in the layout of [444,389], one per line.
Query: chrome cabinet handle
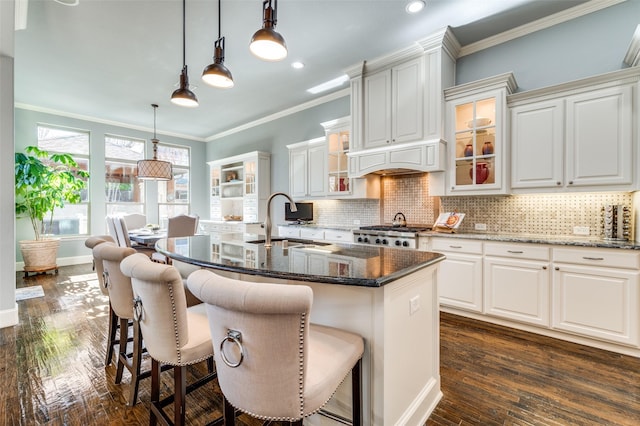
[592,258]
[515,251]
[455,247]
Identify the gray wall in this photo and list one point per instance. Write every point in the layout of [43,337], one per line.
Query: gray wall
[274,137]
[589,45]
[26,122]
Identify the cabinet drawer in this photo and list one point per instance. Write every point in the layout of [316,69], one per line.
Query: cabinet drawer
[519,251]
[456,245]
[312,234]
[285,231]
[333,235]
[611,258]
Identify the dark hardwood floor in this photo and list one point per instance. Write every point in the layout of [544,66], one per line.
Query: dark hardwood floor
[52,370]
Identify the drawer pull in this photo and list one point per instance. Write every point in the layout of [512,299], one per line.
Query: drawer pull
[592,258]
[455,247]
[544,267]
[515,251]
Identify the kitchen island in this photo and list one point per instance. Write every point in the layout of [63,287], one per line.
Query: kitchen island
[388,296]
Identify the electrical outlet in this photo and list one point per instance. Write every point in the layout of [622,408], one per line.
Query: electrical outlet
[356,221]
[581,230]
[481,226]
[414,304]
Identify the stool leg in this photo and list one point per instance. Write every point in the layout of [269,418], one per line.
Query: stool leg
[136,360]
[229,413]
[111,335]
[180,391]
[356,393]
[122,349]
[155,391]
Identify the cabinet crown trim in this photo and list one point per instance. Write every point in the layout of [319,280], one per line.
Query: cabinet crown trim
[614,78]
[338,122]
[632,58]
[313,141]
[239,157]
[502,81]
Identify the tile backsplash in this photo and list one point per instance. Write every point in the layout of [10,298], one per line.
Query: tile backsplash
[543,214]
[552,214]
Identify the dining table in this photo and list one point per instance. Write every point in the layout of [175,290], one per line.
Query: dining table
[147,237]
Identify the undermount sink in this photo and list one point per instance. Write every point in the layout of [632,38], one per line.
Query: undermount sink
[291,242]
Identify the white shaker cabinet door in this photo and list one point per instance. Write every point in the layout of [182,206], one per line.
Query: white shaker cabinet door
[596,302]
[599,134]
[537,150]
[460,281]
[517,290]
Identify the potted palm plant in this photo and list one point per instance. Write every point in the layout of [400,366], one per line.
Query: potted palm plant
[43,183]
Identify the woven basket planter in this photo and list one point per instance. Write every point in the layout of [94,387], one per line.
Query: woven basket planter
[40,255]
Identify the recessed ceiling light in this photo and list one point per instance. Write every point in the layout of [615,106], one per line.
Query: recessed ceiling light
[297,65]
[415,6]
[328,85]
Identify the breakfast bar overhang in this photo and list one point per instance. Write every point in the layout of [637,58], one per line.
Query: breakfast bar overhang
[388,296]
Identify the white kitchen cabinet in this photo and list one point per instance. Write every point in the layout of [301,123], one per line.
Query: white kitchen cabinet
[460,274]
[393,104]
[338,236]
[517,282]
[307,169]
[316,234]
[575,136]
[289,231]
[239,187]
[595,294]
[476,125]
[537,145]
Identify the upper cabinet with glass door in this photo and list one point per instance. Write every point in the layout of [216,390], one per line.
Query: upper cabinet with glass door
[476,122]
[337,134]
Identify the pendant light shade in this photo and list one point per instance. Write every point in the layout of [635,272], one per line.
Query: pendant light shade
[216,74]
[266,43]
[183,96]
[154,169]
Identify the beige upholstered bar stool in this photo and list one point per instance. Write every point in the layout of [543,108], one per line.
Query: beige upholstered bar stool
[173,334]
[121,301]
[272,363]
[90,243]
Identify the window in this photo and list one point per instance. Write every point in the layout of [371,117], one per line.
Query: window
[123,191]
[72,219]
[174,195]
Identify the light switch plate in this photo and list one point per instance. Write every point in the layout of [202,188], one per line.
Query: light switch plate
[481,226]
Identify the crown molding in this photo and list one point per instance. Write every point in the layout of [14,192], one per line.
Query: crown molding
[501,81]
[103,121]
[310,104]
[540,24]
[632,58]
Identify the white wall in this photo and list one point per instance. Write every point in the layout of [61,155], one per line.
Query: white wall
[8,305]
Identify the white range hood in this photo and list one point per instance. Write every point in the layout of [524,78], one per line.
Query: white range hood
[414,157]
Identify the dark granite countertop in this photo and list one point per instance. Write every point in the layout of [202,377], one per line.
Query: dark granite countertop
[346,264]
[572,240]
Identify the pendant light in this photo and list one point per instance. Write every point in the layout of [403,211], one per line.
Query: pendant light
[216,74]
[266,43]
[183,96]
[154,169]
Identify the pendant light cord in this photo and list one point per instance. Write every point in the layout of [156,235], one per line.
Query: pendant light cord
[184,34]
[219,19]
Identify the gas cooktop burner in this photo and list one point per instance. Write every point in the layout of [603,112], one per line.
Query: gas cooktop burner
[390,236]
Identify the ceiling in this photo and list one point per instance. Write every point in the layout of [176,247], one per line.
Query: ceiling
[109,60]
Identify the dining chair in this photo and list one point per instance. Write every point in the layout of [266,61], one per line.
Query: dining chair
[174,334]
[113,327]
[178,226]
[111,228]
[272,363]
[122,232]
[121,304]
[135,220]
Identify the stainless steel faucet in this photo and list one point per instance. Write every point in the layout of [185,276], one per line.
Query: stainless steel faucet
[267,219]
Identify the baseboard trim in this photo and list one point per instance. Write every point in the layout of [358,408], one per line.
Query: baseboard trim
[64,261]
[9,317]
